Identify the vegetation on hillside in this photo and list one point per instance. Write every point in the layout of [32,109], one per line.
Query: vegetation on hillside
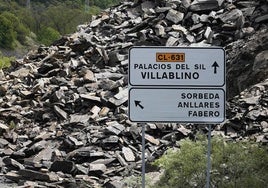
[47,19]
[5,61]
[234,164]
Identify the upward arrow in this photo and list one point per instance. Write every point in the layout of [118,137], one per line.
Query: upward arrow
[215,65]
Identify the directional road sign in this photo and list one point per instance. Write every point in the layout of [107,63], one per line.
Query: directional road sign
[174,84]
[200,105]
[174,66]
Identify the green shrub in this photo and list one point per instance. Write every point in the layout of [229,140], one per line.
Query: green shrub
[5,61]
[22,33]
[135,181]
[7,34]
[94,10]
[104,3]
[48,35]
[19,30]
[234,165]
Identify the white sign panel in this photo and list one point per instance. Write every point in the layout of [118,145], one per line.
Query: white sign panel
[175,66]
[175,84]
[200,105]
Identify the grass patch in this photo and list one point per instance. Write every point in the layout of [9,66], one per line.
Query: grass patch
[5,62]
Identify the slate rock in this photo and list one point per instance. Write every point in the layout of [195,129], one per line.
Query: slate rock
[205,5]
[73,142]
[97,169]
[152,139]
[14,176]
[262,18]
[3,91]
[20,73]
[3,142]
[128,154]
[174,16]
[261,61]
[95,23]
[234,18]
[34,175]
[3,128]
[68,167]
[74,118]
[2,75]
[115,182]
[121,160]
[115,127]
[44,155]
[61,113]
[12,163]
[120,98]
[81,169]
[111,140]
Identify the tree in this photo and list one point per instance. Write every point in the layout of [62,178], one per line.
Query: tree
[48,35]
[61,15]
[7,34]
[104,3]
[18,28]
[64,18]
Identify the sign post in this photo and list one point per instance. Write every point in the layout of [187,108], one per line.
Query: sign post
[208,157]
[143,155]
[177,84]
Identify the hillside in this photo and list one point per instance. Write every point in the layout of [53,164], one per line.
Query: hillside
[27,24]
[63,120]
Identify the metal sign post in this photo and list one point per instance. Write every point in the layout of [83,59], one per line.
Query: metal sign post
[208,156]
[143,155]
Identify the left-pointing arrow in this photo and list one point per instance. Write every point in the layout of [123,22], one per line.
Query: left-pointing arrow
[138,103]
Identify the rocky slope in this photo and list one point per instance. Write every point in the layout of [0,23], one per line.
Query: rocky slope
[63,108]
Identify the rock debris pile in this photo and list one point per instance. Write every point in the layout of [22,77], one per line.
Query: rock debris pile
[247,114]
[63,108]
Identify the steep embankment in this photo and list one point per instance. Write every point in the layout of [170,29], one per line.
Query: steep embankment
[63,108]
